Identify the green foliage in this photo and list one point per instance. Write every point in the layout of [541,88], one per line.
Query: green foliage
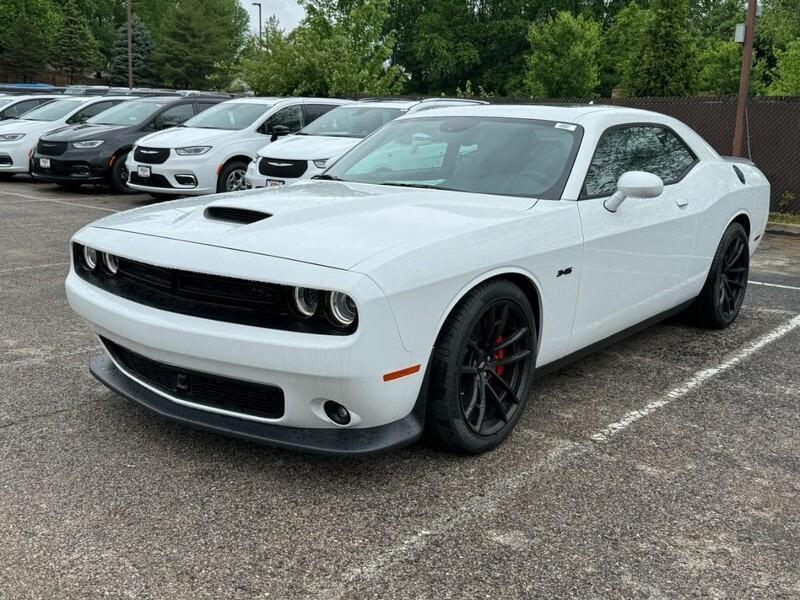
[787,73]
[77,51]
[27,31]
[721,63]
[200,37]
[563,58]
[339,49]
[666,63]
[142,49]
[619,51]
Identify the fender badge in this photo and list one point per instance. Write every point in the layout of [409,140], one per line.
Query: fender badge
[567,271]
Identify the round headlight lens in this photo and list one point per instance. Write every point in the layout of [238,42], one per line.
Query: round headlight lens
[343,309]
[111,263]
[306,301]
[90,258]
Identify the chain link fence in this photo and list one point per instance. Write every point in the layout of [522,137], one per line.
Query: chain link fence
[772,138]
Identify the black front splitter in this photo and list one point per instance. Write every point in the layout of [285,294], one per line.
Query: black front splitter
[333,442]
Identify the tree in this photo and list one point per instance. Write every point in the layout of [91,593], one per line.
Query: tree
[77,48]
[619,48]
[339,49]
[142,49]
[27,30]
[563,58]
[201,37]
[666,54]
[787,75]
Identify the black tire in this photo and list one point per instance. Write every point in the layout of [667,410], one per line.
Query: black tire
[719,302]
[234,170]
[119,176]
[492,332]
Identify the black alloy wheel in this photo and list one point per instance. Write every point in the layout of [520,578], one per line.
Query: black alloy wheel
[482,370]
[722,296]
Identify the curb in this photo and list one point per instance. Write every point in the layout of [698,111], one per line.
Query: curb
[783,228]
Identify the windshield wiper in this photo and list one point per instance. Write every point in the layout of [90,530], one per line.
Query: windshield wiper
[326,177]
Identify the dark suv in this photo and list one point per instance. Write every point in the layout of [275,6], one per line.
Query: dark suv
[95,151]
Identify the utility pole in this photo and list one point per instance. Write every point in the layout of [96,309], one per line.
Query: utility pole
[744,80]
[258,4]
[130,47]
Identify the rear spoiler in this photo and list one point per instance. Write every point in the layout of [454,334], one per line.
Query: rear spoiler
[738,159]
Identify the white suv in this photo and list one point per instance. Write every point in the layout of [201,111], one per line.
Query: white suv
[320,144]
[209,153]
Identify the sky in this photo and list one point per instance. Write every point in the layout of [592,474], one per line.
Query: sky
[287,11]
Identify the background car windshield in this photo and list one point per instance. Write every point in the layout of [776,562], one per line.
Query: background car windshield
[488,155]
[127,113]
[4,101]
[53,111]
[352,121]
[233,116]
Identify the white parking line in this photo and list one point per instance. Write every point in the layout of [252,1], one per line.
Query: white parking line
[504,488]
[698,379]
[775,285]
[65,203]
[33,267]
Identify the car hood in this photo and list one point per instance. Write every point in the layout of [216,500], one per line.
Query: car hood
[23,126]
[327,223]
[309,147]
[87,131]
[180,137]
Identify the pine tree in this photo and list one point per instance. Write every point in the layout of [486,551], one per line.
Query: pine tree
[666,64]
[27,29]
[76,48]
[142,48]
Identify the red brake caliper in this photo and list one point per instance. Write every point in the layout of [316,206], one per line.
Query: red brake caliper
[500,354]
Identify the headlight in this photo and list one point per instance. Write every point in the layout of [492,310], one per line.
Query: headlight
[306,301]
[342,308]
[87,144]
[89,258]
[192,150]
[111,263]
[320,164]
[11,137]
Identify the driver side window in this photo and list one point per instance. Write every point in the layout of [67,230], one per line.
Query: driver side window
[647,148]
[290,117]
[175,115]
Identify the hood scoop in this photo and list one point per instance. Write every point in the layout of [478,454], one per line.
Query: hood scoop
[231,214]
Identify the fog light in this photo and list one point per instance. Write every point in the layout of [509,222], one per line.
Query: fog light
[186,180]
[337,413]
[111,263]
[89,258]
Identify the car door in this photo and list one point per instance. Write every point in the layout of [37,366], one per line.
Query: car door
[635,259]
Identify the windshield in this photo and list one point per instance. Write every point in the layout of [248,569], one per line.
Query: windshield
[53,111]
[352,121]
[231,116]
[127,113]
[4,101]
[486,155]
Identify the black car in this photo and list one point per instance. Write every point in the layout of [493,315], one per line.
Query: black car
[95,151]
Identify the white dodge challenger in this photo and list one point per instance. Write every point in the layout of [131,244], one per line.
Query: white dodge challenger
[423,282]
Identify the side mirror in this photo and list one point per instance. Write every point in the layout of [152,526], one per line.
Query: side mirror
[166,124]
[635,184]
[278,131]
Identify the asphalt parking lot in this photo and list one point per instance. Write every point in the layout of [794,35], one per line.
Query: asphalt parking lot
[667,466]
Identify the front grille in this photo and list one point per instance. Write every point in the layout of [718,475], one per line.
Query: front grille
[243,397]
[51,148]
[155,180]
[277,167]
[151,156]
[215,297]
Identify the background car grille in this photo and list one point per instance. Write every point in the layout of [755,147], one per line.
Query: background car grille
[151,156]
[215,297]
[277,167]
[243,397]
[51,148]
[155,180]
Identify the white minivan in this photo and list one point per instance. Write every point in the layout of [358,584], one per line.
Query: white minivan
[210,152]
[318,145]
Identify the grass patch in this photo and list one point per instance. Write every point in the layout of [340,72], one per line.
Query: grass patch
[782,217]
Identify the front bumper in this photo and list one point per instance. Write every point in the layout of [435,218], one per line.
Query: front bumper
[337,442]
[72,167]
[15,156]
[254,179]
[163,179]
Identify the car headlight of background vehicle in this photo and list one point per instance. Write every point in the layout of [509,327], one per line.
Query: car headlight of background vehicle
[192,150]
[320,164]
[87,144]
[11,137]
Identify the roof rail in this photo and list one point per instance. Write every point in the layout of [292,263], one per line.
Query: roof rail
[464,100]
[388,99]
